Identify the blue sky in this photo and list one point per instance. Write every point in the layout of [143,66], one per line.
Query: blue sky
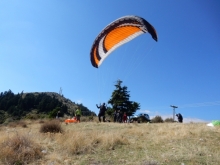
[45,46]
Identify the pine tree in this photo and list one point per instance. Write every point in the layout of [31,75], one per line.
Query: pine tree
[120,100]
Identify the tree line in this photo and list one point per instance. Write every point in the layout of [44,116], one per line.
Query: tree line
[19,105]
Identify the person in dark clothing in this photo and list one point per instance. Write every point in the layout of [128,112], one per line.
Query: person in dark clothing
[125,118]
[119,116]
[101,112]
[115,116]
[58,115]
[180,117]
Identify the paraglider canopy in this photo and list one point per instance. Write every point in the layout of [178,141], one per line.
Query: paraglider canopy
[214,123]
[116,34]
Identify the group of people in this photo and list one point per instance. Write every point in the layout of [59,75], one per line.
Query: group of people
[119,116]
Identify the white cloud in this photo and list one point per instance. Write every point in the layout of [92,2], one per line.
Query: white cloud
[144,111]
[78,101]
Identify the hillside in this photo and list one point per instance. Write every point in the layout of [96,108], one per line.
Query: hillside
[67,102]
[37,105]
[72,106]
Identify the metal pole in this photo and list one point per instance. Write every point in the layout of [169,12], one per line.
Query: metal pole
[173,106]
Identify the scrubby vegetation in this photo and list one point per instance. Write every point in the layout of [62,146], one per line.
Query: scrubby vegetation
[52,126]
[169,120]
[157,119]
[110,143]
[17,124]
[19,150]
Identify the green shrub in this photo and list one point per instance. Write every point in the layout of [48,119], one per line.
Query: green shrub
[53,113]
[157,119]
[169,120]
[2,116]
[90,118]
[32,116]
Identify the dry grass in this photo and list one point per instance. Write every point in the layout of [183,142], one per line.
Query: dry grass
[18,150]
[17,124]
[92,143]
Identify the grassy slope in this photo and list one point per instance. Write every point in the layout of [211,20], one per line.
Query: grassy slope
[113,143]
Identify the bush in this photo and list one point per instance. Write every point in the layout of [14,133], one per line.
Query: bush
[90,118]
[32,116]
[169,120]
[8,120]
[53,126]
[2,116]
[86,118]
[157,119]
[19,150]
[41,121]
[18,123]
[53,113]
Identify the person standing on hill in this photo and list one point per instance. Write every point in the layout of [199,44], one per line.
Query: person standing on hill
[115,116]
[101,111]
[78,114]
[125,118]
[120,116]
[58,115]
[180,117]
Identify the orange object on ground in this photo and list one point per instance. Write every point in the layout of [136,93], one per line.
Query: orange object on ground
[73,120]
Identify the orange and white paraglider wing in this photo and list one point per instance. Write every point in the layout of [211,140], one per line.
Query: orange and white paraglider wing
[116,34]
